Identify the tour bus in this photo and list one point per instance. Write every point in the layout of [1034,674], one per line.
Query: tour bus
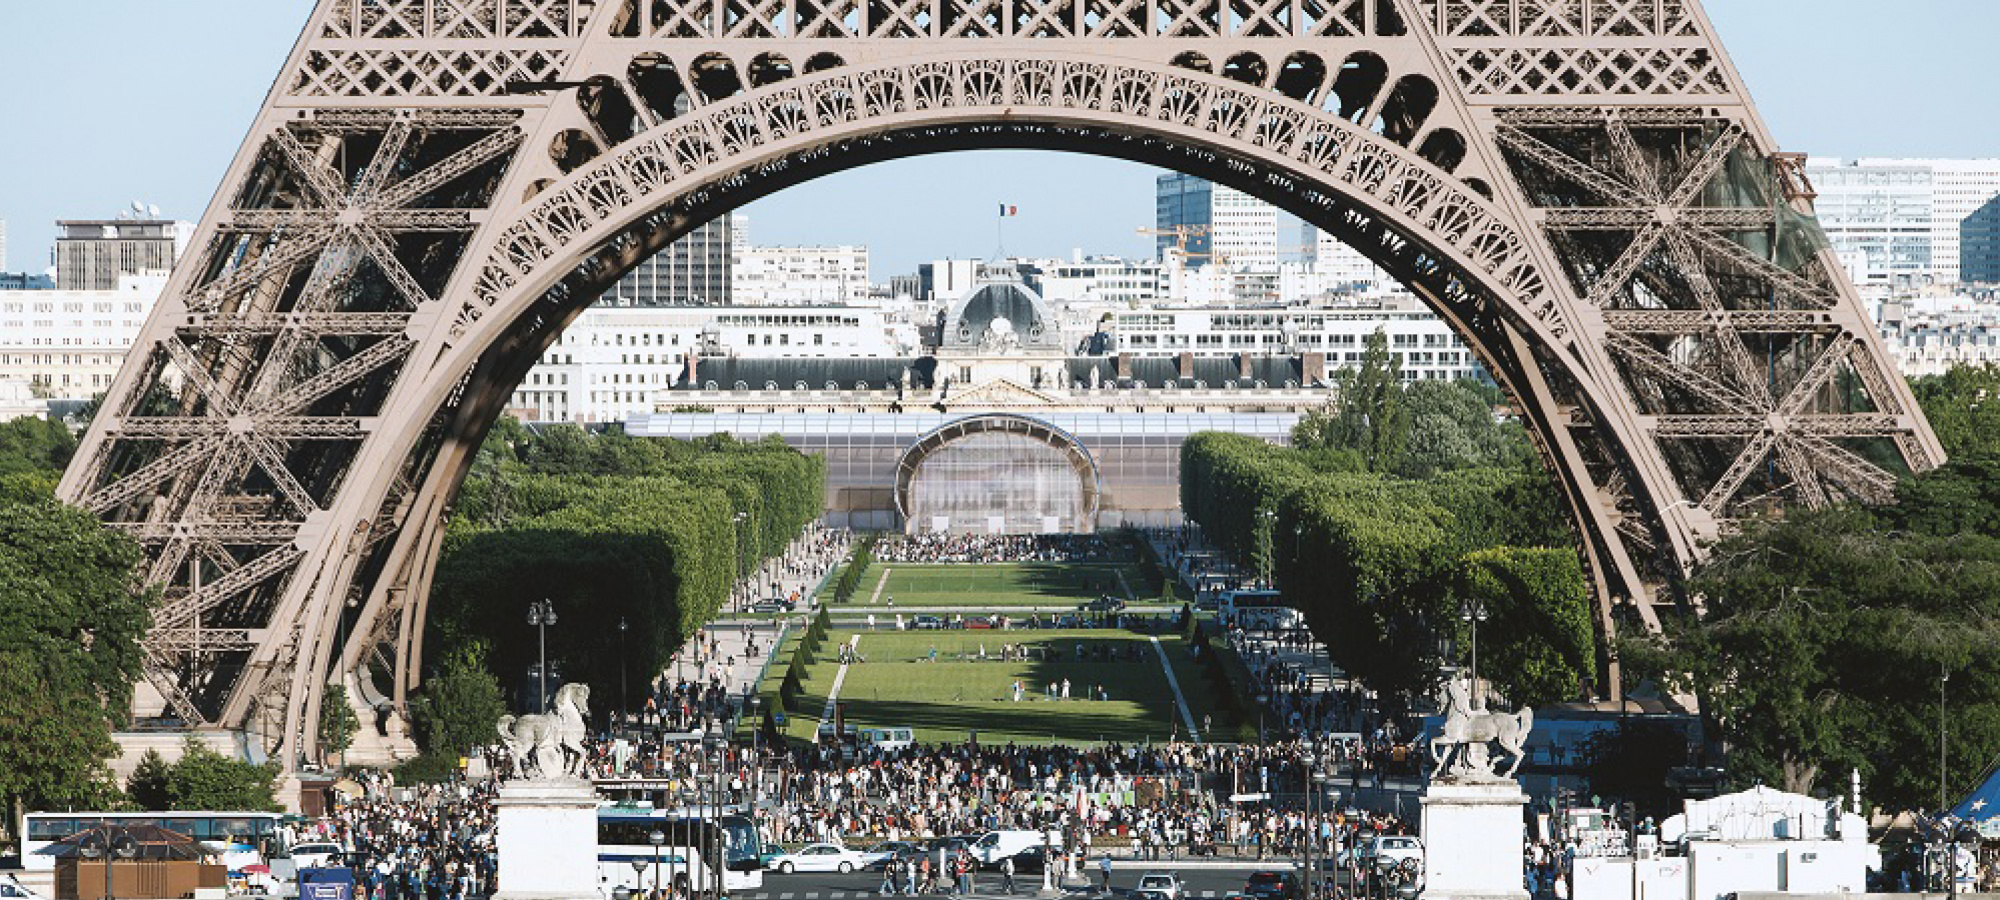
[1258,610]
[628,858]
[256,829]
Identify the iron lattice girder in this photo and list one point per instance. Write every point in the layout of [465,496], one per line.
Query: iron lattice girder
[1862,425]
[184,609]
[1615,219]
[267,427]
[316,325]
[246,532]
[204,640]
[482,241]
[397,220]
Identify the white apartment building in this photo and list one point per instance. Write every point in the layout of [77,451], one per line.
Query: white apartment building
[798,276]
[1423,343]
[1905,215]
[614,361]
[68,344]
[1928,335]
[1102,281]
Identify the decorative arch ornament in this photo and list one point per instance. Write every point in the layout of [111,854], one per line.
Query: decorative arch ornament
[435,188]
[910,464]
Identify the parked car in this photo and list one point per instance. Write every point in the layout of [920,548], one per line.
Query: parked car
[994,846]
[983,622]
[13,889]
[1142,894]
[927,623]
[1106,603]
[1026,862]
[1165,883]
[1397,847]
[316,855]
[880,854]
[1272,885]
[769,606]
[822,858]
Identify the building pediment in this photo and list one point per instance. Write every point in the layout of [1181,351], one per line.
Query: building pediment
[1000,392]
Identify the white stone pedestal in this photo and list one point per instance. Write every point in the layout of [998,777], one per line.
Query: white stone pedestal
[546,835]
[1474,835]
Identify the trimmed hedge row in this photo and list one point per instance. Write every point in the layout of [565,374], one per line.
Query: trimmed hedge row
[647,534]
[857,566]
[1380,564]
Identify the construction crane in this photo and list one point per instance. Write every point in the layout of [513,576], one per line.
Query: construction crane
[1181,234]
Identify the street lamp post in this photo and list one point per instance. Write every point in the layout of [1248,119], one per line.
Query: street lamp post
[1474,612]
[1269,519]
[1944,801]
[742,546]
[657,838]
[623,697]
[542,614]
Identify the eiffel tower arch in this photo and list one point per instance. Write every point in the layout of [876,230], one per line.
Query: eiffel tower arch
[434,188]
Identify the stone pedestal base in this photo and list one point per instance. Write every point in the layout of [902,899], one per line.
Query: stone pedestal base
[1474,835]
[546,837]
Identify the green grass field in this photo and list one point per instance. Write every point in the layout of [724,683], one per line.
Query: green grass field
[948,699]
[999,585]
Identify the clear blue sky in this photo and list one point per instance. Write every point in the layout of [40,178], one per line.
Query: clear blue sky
[109,101]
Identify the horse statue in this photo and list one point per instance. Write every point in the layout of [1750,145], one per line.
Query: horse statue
[1467,735]
[552,743]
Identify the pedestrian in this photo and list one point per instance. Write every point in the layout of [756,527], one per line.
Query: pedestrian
[1104,868]
[1007,875]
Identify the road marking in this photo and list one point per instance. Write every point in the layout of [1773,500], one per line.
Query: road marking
[880,583]
[784,897]
[832,694]
[1173,683]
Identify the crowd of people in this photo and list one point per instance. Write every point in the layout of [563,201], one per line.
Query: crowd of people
[429,842]
[995,548]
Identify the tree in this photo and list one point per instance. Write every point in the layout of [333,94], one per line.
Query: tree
[151,783]
[1367,413]
[457,707]
[54,736]
[70,591]
[1822,644]
[205,779]
[1963,406]
[337,723]
[1538,643]
[31,444]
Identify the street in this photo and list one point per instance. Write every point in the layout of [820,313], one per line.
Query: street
[1208,882]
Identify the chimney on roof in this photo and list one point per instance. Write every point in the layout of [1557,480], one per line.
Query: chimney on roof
[1124,365]
[1313,366]
[1186,364]
[1243,365]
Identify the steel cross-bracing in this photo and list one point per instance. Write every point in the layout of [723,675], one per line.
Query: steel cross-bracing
[435,188]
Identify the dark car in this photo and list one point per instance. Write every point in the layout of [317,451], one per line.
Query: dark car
[893,850]
[1272,885]
[1106,603]
[1026,862]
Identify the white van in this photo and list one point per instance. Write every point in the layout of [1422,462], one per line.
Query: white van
[888,739]
[993,846]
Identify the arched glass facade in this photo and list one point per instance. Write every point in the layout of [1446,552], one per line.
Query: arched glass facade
[1008,480]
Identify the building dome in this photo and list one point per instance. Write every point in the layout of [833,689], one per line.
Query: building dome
[1000,313]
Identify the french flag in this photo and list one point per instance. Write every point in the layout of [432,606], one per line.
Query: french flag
[1006,210]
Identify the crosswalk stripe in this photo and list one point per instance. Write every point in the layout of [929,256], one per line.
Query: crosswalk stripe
[784,897]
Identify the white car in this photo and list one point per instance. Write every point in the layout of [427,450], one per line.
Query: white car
[316,855]
[1166,883]
[1389,846]
[821,858]
[13,889]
